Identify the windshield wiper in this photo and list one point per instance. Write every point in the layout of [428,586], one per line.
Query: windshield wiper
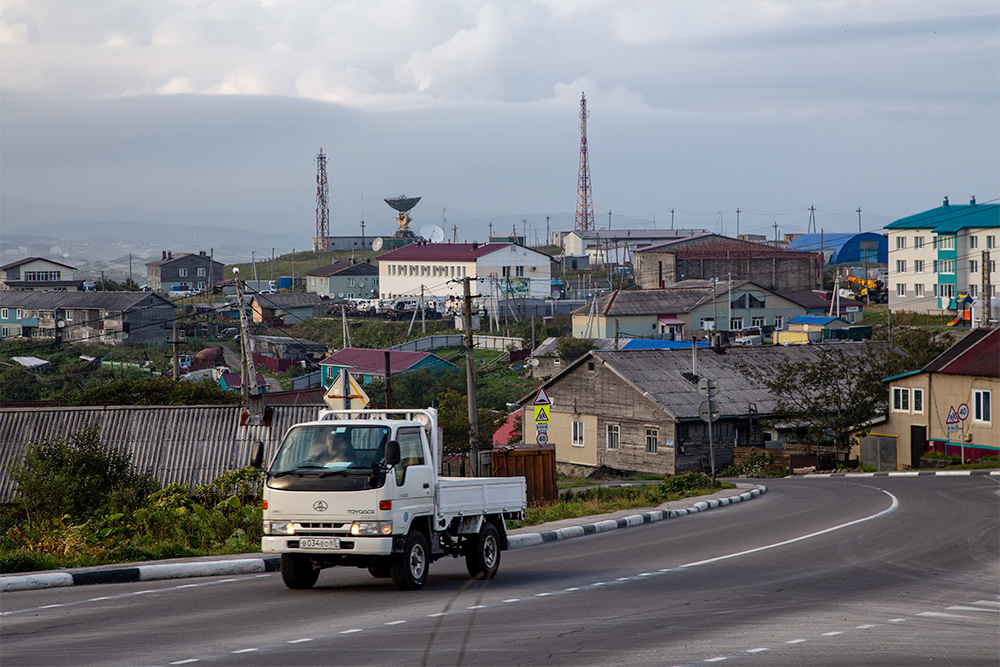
[342,471]
[296,471]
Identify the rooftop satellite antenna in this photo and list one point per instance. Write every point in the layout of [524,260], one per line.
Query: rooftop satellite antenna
[432,233]
[403,204]
[377,244]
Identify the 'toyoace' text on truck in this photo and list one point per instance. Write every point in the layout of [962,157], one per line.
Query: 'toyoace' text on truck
[361,488]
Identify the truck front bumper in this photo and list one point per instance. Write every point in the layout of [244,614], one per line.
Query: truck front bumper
[343,546]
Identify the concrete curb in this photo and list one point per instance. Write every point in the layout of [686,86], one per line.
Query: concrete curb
[533,539]
[215,568]
[907,473]
[140,573]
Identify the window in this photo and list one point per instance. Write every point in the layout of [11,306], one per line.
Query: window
[982,412]
[578,434]
[757,321]
[350,282]
[991,242]
[918,290]
[900,399]
[201,272]
[946,291]
[651,437]
[900,266]
[735,323]
[900,289]
[900,243]
[973,266]
[4,314]
[69,315]
[182,273]
[201,284]
[973,242]
[918,400]
[918,266]
[918,242]
[972,291]
[506,272]
[43,276]
[519,271]
[945,242]
[779,321]
[613,437]
[944,266]
[707,324]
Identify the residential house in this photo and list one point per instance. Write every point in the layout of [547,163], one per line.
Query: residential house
[40,275]
[546,362]
[279,353]
[682,309]
[187,271]
[234,382]
[708,256]
[345,279]
[640,410]
[107,317]
[288,308]
[941,253]
[437,270]
[947,406]
[865,248]
[366,365]
[818,302]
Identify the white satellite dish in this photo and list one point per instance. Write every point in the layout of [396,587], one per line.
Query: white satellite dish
[432,233]
[341,295]
[377,244]
[534,362]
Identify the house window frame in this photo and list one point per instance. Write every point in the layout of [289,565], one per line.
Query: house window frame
[578,433]
[735,323]
[900,289]
[918,290]
[917,397]
[652,439]
[919,265]
[4,314]
[201,272]
[613,431]
[979,414]
[918,242]
[182,273]
[973,241]
[779,322]
[900,242]
[901,399]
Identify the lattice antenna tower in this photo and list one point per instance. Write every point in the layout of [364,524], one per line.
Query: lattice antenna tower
[584,199]
[322,241]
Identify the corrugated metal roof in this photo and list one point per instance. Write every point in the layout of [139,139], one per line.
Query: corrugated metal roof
[119,301]
[659,375]
[343,266]
[290,300]
[951,218]
[623,303]
[372,362]
[813,319]
[808,298]
[976,354]
[717,246]
[186,444]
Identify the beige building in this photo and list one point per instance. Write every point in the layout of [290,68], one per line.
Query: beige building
[957,387]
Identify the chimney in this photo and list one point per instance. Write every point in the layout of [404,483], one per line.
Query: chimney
[164,255]
[202,253]
[972,200]
[945,202]
[170,254]
[475,245]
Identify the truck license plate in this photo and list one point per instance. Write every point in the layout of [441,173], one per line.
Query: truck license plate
[323,543]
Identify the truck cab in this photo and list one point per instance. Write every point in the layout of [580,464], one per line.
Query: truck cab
[364,492]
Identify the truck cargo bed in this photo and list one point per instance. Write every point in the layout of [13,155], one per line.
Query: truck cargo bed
[463,496]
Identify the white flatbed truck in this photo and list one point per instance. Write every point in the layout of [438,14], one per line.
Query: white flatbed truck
[361,488]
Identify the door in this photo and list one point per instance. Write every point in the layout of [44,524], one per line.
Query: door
[918,444]
[414,493]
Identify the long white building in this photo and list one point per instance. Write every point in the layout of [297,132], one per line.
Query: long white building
[438,269]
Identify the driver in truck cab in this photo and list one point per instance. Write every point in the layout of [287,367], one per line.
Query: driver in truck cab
[337,452]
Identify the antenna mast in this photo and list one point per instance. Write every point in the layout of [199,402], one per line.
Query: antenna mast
[322,241]
[584,199]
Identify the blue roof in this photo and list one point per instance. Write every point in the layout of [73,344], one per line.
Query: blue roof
[951,218]
[813,319]
[648,344]
[846,247]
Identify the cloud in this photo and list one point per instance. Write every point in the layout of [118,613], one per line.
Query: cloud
[16,33]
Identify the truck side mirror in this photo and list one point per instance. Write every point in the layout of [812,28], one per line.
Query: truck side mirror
[257,454]
[392,456]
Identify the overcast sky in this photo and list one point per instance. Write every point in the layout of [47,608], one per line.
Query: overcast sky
[700,107]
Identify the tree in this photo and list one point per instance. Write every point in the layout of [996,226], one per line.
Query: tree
[570,349]
[836,396]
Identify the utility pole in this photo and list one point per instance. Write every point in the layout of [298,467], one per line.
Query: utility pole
[775,225]
[423,311]
[272,265]
[548,235]
[671,218]
[811,226]
[293,256]
[609,219]
[129,283]
[454,231]
[986,317]
[859,222]
[177,361]
[737,223]
[470,380]
[211,269]
[491,229]
[715,311]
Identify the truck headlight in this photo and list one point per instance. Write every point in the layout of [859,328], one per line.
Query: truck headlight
[371,528]
[279,528]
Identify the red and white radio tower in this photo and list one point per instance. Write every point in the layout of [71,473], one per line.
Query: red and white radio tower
[584,199]
[322,241]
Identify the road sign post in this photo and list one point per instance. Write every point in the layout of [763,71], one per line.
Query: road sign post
[709,413]
[963,414]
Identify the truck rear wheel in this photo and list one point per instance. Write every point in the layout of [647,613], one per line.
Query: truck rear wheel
[482,553]
[297,571]
[409,571]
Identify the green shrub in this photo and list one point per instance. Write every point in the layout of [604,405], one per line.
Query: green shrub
[77,477]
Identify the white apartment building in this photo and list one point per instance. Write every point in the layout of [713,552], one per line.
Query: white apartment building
[939,254]
[438,269]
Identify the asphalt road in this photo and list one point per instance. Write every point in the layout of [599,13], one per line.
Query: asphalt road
[873,571]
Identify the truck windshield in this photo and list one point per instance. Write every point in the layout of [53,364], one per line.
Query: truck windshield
[331,447]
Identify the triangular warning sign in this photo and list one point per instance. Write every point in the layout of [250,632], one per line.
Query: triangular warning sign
[952,416]
[541,398]
[541,414]
[335,394]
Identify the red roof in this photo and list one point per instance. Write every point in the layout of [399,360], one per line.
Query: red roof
[714,246]
[502,434]
[372,362]
[976,354]
[235,380]
[444,252]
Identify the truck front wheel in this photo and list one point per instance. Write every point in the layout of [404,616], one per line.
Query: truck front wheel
[297,571]
[409,571]
[482,553]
